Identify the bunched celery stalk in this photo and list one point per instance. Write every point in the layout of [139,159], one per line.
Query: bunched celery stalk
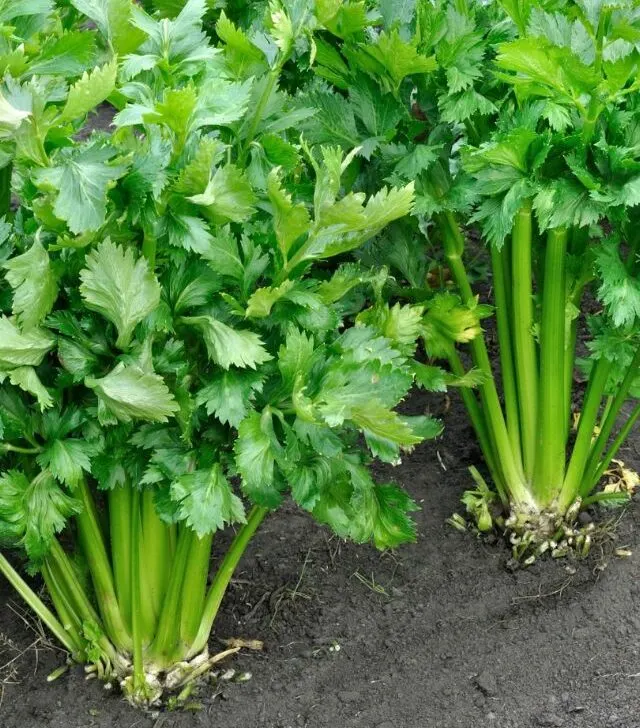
[539,193]
[171,363]
[542,489]
[551,485]
[508,127]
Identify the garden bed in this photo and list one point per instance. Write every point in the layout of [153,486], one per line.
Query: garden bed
[439,634]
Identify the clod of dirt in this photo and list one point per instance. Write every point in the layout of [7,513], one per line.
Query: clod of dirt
[550,720]
[487,684]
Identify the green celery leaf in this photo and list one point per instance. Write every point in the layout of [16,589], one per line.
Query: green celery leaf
[229,395]
[27,379]
[221,102]
[189,232]
[397,11]
[206,501]
[423,426]
[384,430]
[334,121]
[308,478]
[363,344]
[223,254]
[34,284]
[22,348]
[244,59]
[566,203]
[381,511]
[343,280]
[32,512]
[90,91]
[119,287]
[68,54]
[392,58]
[175,110]
[291,220]
[129,393]
[334,506]
[619,291]
[67,459]
[81,180]
[448,320]
[256,450]
[10,117]
[537,60]
[10,11]
[228,196]
[431,378]
[195,176]
[16,416]
[321,438]
[262,300]
[192,286]
[230,347]
[296,357]
[113,18]
[401,325]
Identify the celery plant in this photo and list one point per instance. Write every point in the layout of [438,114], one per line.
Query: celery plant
[526,130]
[557,209]
[173,360]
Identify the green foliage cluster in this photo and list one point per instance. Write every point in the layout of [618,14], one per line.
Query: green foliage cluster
[176,355]
[220,302]
[526,134]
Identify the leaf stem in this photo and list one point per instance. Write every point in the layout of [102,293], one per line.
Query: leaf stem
[582,447]
[8,447]
[195,586]
[167,632]
[223,577]
[119,501]
[156,561]
[479,425]
[595,107]
[570,362]
[94,549]
[550,454]
[615,446]
[612,415]
[68,579]
[499,263]
[510,467]
[272,79]
[524,344]
[34,602]
[149,246]
[139,680]
[68,616]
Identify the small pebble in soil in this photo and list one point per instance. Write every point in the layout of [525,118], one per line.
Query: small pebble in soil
[486,683]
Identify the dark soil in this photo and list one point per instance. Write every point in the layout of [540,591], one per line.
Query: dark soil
[439,634]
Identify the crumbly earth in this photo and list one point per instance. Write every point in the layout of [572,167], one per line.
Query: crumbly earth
[440,634]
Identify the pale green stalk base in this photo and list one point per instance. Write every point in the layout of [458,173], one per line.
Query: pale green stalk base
[525,446]
[168,653]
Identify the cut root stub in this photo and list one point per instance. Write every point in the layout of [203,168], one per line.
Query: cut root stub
[533,534]
[174,685]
